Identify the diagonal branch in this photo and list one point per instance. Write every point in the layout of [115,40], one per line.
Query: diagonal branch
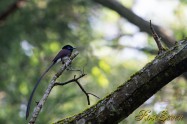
[39,106]
[168,39]
[142,85]
[11,9]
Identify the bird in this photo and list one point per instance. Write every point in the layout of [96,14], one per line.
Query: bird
[63,55]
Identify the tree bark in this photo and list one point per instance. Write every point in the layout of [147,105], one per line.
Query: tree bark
[142,85]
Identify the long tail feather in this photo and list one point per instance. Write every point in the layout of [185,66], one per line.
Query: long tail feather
[36,85]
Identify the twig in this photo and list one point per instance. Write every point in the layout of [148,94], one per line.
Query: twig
[76,80]
[39,106]
[94,95]
[71,69]
[87,96]
[157,39]
[72,80]
[81,71]
[143,49]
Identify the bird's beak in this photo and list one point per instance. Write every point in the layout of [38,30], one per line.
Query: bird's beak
[74,47]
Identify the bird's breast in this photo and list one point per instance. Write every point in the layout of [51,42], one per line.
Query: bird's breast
[63,59]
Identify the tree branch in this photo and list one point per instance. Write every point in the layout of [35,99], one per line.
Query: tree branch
[144,49]
[168,39]
[157,39]
[50,86]
[11,9]
[128,97]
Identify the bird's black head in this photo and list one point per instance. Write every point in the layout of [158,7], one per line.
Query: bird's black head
[68,47]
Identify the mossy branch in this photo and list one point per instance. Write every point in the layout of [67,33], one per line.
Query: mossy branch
[140,87]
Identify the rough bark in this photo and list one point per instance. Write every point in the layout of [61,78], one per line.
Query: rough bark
[142,85]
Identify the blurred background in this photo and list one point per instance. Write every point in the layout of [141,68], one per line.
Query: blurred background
[111,49]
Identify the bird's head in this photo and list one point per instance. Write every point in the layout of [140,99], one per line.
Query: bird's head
[68,47]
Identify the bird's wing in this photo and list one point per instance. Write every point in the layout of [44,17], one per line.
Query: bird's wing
[61,54]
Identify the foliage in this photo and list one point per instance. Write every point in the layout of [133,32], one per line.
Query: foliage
[32,35]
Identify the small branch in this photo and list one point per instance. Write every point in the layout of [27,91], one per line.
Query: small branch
[157,39]
[87,96]
[144,49]
[39,106]
[76,80]
[71,69]
[72,80]
[93,95]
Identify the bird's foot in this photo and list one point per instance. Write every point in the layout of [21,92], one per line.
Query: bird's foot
[37,103]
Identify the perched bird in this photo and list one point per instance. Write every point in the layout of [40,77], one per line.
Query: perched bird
[64,54]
